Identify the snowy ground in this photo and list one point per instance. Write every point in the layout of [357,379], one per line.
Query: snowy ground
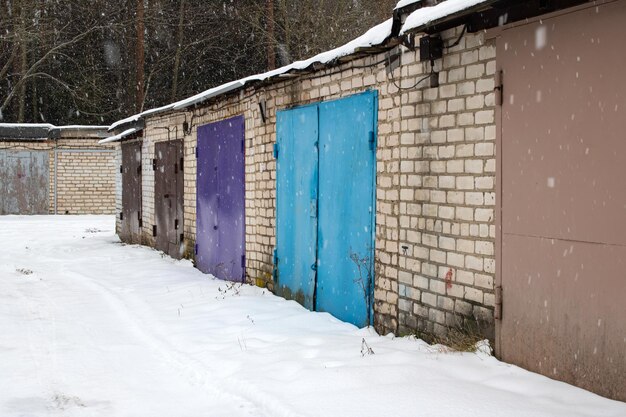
[89,327]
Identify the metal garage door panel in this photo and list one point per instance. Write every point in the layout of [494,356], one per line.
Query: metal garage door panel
[38,183]
[231,174]
[221,199]
[4,191]
[296,203]
[563,126]
[131,193]
[25,182]
[347,167]
[168,196]
[162,199]
[564,311]
[175,233]
[563,207]
[207,235]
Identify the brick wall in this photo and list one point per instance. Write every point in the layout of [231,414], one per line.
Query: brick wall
[435,191]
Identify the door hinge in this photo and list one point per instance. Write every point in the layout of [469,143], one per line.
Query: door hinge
[121,215]
[154,230]
[195,249]
[181,237]
[276,149]
[372,141]
[121,169]
[197,152]
[182,161]
[497,314]
[154,164]
[139,169]
[175,224]
[243,146]
[499,88]
[175,168]
[243,261]
[139,219]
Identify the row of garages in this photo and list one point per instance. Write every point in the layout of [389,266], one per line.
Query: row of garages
[288,185]
[457,167]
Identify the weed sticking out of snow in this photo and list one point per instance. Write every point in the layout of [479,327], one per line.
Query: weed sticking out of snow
[63,402]
[462,338]
[24,271]
[232,289]
[365,348]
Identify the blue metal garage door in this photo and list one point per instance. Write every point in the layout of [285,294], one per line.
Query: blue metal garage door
[325,206]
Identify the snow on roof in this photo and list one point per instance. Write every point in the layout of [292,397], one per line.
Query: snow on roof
[80,127]
[26,125]
[373,37]
[43,131]
[426,15]
[119,136]
[49,126]
[404,3]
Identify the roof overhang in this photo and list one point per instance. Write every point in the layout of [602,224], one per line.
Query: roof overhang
[44,131]
[24,132]
[479,14]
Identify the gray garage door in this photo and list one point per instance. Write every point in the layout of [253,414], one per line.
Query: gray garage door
[24,182]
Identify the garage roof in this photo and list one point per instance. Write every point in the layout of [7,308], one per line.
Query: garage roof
[41,131]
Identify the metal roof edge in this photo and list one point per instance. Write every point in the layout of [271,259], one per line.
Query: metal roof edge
[463,12]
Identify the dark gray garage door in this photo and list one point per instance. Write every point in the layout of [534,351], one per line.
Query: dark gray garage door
[563,201]
[24,182]
[131,193]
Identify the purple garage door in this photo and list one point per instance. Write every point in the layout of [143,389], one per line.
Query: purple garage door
[220,229]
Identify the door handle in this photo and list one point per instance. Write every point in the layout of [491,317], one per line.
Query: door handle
[215,227]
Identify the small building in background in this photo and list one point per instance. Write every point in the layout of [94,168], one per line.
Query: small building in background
[45,169]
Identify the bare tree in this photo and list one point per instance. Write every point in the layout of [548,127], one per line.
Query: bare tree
[94,61]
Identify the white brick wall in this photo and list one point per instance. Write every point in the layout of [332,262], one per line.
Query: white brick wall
[435,192]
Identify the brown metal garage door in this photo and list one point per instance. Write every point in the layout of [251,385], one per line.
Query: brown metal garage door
[168,197]
[24,182]
[562,154]
[131,193]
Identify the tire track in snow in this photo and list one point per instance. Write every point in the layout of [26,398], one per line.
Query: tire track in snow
[192,369]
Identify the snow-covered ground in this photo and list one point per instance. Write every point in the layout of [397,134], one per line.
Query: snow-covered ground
[90,327]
